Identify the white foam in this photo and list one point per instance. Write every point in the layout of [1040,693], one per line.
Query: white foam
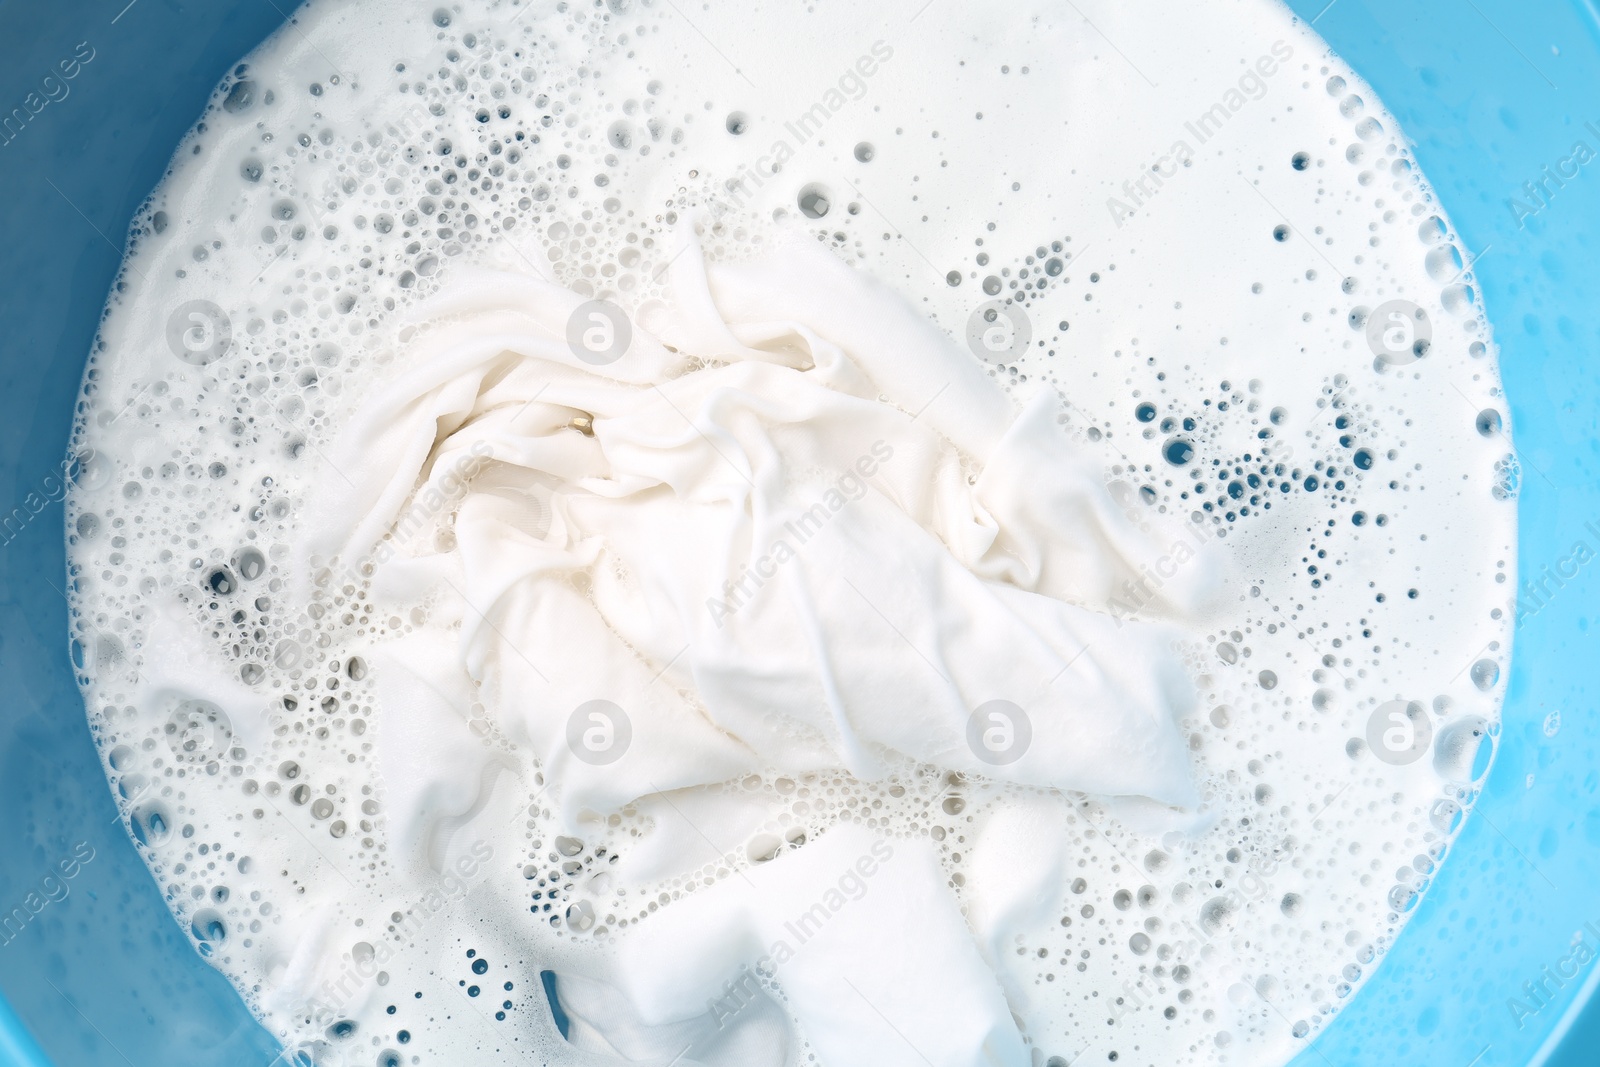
[314,615]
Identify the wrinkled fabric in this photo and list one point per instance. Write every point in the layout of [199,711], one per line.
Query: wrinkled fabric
[823,546]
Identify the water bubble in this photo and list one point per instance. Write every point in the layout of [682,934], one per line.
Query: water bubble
[1457,756]
[1443,262]
[865,152]
[208,925]
[90,469]
[1485,673]
[222,582]
[814,201]
[580,916]
[1507,478]
[250,563]
[1218,915]
[240,97]
[152,825]
[763,847]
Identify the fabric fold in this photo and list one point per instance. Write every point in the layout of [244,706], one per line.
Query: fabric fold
[830,543]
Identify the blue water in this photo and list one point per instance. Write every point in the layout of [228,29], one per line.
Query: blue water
[103,977]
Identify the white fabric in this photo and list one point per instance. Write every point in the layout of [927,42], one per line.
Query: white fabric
[917,554]
[849,927]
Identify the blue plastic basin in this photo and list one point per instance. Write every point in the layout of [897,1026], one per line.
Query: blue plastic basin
[1493,91]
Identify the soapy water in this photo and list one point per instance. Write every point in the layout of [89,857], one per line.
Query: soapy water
[400,800]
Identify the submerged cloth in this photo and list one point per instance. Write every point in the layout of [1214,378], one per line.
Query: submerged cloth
[793,527]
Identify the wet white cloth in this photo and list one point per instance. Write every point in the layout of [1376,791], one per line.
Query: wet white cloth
[825,546]
[850,928]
